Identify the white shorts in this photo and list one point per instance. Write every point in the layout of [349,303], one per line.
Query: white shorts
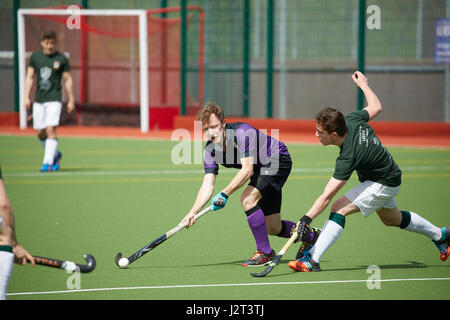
[6,266]
[370,196]
[46,114]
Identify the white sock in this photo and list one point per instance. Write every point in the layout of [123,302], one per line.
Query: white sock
[423,226]
[50,150]
[330,233]
[6,266]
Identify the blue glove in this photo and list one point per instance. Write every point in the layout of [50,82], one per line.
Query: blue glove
[219,201]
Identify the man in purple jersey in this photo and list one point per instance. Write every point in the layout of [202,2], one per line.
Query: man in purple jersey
[261,159]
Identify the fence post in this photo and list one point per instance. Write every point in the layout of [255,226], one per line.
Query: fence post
[447,76]
[270,23]
[246,57]
[183,58]
[361,48]
[163,69]
[83,67]
[16,6]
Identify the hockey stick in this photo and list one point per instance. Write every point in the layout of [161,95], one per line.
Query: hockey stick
[155,242]
[68,265]
[278,257]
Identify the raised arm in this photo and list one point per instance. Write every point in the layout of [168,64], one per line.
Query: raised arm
[373,104]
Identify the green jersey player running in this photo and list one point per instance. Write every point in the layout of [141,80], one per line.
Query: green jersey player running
[379,176]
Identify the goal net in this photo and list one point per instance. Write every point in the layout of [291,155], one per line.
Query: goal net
[119,59]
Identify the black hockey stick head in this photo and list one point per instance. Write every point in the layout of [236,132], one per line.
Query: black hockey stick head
[269,268]
[117,259]
[85,268]
[125,262]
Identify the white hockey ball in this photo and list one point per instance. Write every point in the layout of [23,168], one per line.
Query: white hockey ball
[123,262]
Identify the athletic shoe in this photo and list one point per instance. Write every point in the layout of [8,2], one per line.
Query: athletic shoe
[55,166]
[305,264]
[443,244]
[259,259]
[46,168]
[306,246]
[58,157]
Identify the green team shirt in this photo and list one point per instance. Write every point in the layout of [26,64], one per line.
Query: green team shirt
[49,71]
[362,151]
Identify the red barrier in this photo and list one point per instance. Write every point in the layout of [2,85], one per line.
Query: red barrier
[303,130]
[292,131]
[308,126]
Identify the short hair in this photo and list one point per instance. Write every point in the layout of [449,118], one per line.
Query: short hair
[207,110]
[332,120]
[49,34]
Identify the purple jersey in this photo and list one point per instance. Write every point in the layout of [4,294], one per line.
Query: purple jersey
[243,141]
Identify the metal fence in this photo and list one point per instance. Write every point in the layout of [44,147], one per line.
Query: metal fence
[288,58]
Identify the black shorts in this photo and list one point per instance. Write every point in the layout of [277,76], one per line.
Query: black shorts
[269,184]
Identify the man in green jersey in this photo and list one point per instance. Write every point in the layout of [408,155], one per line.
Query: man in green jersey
[380,177]
[49,67]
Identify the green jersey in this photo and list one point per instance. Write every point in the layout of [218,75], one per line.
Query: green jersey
[362,151]
[49,70]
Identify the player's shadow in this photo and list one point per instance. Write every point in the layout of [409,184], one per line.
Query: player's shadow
[409,265]
[283,265]
[230,263]
[224,263]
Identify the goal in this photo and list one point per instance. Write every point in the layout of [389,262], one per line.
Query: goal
[121,59]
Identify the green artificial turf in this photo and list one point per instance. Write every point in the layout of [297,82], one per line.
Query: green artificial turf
[116,195]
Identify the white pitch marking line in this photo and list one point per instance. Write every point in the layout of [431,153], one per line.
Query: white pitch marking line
[223,285]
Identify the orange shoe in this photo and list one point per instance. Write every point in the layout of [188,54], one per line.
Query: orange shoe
[443,245]
[305,264]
